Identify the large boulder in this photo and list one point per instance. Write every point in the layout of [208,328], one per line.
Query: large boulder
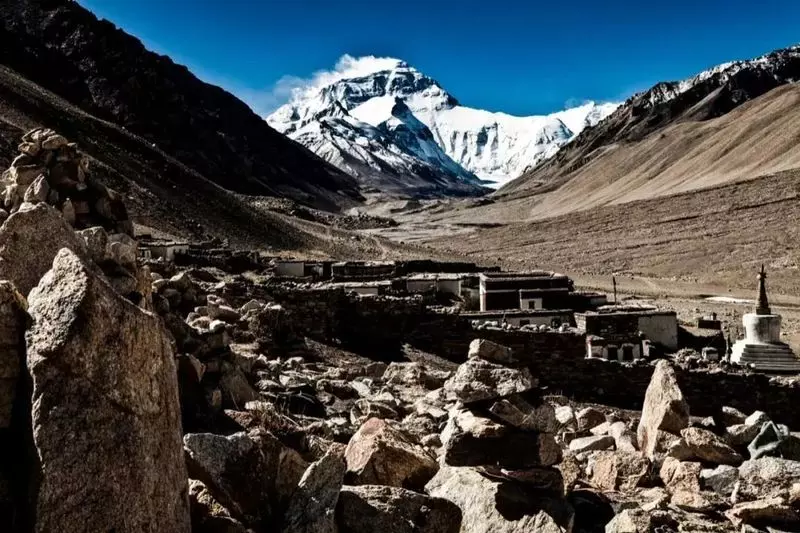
[618,470]
[524,412]
[709,448]
[491,351]
[106,417]
[13,321]
[370,508]
[492,506]
[251,474]
[313,505]
[379,454]
[664,408]
[772,512]
[470,440]
[29,240]
[478,379]
[208,514]
[766,477]
[680,475]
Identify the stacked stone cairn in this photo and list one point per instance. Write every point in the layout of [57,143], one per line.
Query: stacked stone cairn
[500,440]
[51,169]
[88,396]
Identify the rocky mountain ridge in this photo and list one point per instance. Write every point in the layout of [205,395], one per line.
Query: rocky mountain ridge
[97,67]
[494,147]
[708,95]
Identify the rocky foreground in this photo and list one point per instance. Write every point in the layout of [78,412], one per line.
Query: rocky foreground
[139,398]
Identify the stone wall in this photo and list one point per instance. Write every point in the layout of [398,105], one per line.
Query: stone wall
[380,325]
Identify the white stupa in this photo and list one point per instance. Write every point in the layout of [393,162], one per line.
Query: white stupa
[762,347]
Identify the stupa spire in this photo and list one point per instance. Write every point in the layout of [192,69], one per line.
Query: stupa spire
[762,305]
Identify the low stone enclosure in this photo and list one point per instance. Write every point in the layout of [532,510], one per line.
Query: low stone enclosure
[380,326]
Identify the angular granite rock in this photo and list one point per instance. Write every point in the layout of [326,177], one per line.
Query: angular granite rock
[664,408]
[371,508]
[478,379]
[29,240]
[490,506]
[470,440]
[106,418]
[313,505]
[379,454]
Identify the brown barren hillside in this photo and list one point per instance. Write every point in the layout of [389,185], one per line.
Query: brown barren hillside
[716,236]
[757,138]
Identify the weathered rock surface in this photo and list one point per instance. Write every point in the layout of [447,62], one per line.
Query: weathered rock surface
[491,351]
[773,511]
[247,472]
[379,454]
[589,418]
[470,440]
[664,408]
[208,514]
[618,470]
[478,379]
[414,374]
[313,506]
[591,443]
[706,446]
[721,479]
[766,477]
[13,320]
[30,240]
[680,475]
[527,415]
[106,420]
[372,508]
[489,506]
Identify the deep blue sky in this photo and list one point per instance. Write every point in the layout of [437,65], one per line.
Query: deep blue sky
[521,57]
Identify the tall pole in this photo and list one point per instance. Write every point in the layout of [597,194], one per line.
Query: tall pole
[614,282]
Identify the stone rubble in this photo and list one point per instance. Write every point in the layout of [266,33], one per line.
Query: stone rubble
[195,400]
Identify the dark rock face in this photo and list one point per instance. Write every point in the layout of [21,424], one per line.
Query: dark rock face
[106,419]
[92,64]
[370,508]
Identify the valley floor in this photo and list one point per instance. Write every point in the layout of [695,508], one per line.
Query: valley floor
[678,249]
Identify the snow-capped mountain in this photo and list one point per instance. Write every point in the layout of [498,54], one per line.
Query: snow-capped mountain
[710,94]
[772,65]
[395,128]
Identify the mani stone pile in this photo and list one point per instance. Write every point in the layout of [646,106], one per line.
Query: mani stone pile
[50,169]
[499,441]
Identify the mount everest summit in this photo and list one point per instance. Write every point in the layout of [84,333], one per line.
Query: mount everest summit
[399,132]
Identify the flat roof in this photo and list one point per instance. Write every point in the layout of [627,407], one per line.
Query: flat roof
[364,263]
[610,310]
[529,274]
[360,284]
[163,243]
[435,276]
[516,313]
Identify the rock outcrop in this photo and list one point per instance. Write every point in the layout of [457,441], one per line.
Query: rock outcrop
[494,506]
[369,508]
[379,454]
[665,409]
[106,419]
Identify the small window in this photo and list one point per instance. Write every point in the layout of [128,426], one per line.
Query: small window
[524,322]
